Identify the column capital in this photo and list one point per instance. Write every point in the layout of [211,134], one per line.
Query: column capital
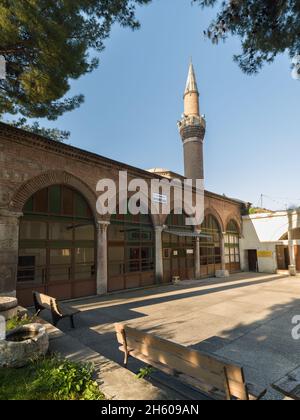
[12,214]
[103,222]
[159,228]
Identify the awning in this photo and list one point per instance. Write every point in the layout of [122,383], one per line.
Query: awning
[187,234]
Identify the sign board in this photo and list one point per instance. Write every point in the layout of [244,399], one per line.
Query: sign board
[264,254]
[160,198]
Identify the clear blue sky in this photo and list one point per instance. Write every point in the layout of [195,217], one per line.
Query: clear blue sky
[134,100]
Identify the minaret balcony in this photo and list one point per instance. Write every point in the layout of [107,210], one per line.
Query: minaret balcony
[192,126]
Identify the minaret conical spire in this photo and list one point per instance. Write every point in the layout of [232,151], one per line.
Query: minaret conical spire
[191,84]
[191,94]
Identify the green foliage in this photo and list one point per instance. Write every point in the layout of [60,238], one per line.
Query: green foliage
[50,133]
[18,321]
[266,28]
[258,210]
[145,372]
[47,43]
[50,378]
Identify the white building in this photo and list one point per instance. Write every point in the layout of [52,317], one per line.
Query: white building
[271,242]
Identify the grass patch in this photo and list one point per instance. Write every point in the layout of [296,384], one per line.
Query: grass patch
[50,378]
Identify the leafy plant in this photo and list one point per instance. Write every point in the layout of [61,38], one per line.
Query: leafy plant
[19,320]
[50,378]
[69,380]
[145,372]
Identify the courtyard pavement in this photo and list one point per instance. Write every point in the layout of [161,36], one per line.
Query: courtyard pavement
[246,318]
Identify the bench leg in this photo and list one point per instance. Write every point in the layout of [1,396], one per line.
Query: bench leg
[55,319]
[38,312]
[72,322]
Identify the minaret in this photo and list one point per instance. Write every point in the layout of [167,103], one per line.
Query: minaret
[192,130]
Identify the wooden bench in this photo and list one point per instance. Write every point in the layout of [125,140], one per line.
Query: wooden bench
[58,310]
[213,377]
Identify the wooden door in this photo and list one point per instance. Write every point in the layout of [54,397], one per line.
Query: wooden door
[252,259]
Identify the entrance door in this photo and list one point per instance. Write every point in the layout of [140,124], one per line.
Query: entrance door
[283,257]
[252,259]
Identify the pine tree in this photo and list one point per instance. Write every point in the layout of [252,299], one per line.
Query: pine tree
[266,28]
[47,43]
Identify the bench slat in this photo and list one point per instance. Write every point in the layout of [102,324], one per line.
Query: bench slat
[209,374]
[216,379]
[194,357]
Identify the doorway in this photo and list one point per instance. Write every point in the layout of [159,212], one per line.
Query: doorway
[252,259]
[283,257]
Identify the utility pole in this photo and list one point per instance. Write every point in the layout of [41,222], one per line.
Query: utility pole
[261,201]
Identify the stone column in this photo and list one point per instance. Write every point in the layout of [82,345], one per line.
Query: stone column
[102,258]
[223,272]
[9,251]
[159,267]
[292,266]
[197,258]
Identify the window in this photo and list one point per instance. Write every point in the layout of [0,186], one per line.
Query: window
[232,248]
[32,265]
[57,237]
[131,245]
[210,242]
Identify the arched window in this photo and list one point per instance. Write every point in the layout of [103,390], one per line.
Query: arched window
[57,244]
[210,246]
[232,247]
[130,251]
[178,248]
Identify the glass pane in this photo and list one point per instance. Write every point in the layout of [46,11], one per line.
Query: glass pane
[28,206]
[116,233]
[41,201]
[115,269]
[60,231]
[60,256]
[116,253]
[84,255]
[133,253]
[32,264]
[55,199]
[81,207]
[133,267]
[33,230]
[147,253]
[59,273]
[84,271]
[67,202]
[85,232]
[147,265]
[132,235]
[146,236]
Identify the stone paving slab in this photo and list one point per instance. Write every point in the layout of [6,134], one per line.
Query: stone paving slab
[246,318]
